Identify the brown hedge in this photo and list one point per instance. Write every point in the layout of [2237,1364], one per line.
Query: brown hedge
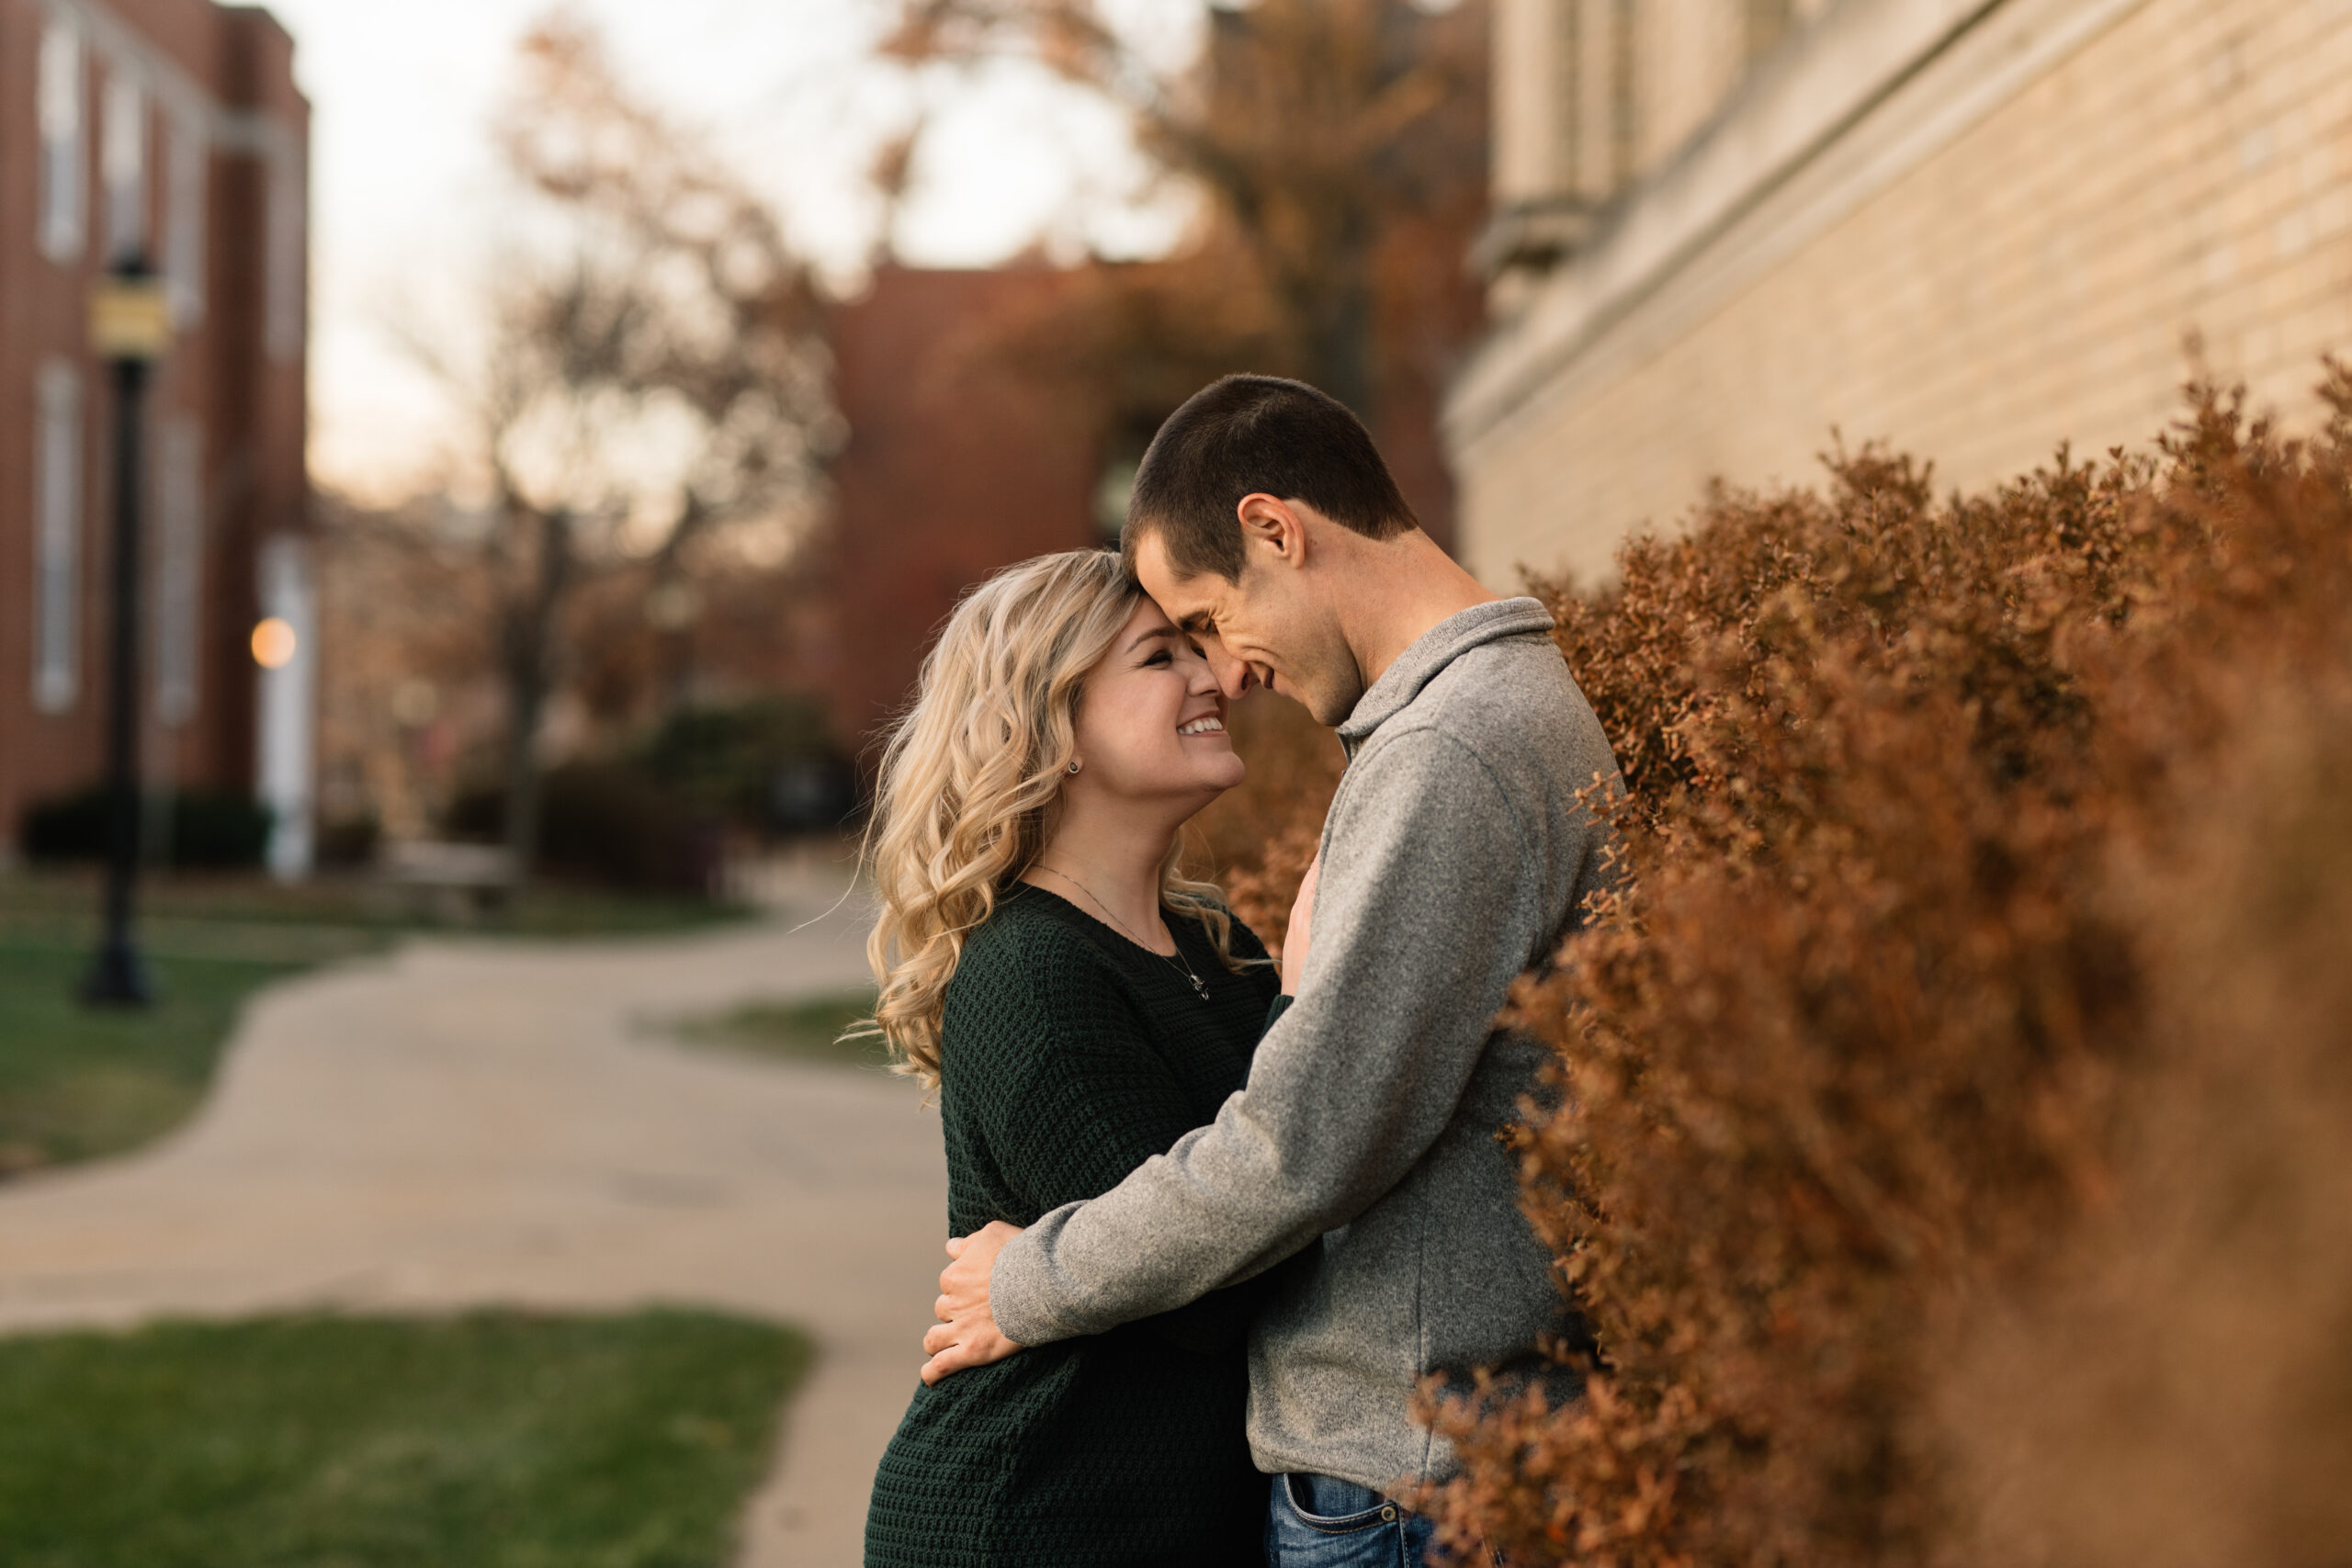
[1980,844]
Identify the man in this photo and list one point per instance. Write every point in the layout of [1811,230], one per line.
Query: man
[1458,849]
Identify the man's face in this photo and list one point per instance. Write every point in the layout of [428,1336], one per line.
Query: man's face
[1269,629]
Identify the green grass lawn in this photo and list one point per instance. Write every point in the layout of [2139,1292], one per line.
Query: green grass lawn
[492,1440]
[808,1030]
[77,1083]
[171,906]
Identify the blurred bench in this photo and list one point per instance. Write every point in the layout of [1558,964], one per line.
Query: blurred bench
[460,880]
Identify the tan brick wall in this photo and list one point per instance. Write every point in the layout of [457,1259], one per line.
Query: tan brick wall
[2033,280]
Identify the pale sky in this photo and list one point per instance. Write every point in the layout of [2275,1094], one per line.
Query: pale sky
[407,208]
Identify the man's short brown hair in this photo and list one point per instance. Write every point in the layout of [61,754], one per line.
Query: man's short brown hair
[1242,436]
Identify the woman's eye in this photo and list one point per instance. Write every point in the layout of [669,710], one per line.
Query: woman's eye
[1162,656]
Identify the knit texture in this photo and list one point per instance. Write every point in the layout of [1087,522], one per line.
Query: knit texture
[1068,1056]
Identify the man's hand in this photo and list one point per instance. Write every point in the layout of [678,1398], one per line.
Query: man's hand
[967,1335]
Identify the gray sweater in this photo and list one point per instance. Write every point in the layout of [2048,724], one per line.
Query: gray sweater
[1455,855]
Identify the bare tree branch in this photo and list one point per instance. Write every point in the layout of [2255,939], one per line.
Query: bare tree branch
[654,374]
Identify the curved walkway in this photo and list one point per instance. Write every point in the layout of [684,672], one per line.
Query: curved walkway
[477,1123]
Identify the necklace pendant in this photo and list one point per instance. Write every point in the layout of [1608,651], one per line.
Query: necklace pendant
[1199,985]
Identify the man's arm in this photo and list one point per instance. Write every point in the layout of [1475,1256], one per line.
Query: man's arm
[968,1336]
[1425,915]
[1065,1104]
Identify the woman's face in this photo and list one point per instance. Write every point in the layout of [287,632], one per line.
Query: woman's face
[1151,720]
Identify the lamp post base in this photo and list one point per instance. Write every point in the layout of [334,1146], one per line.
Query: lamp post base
[118,977]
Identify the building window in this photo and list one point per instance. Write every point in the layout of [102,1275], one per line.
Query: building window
[286,701]
[57,538]
[282,329]
[1111,488]
[1625,126]
[63,179]
[179,567]
[1566,101]
[122,161]
[186,163]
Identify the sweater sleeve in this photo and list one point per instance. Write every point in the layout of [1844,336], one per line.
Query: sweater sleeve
[1424,916]
[1072,1098]
[1221,1317]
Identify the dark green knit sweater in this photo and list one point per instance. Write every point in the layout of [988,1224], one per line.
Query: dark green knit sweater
[1068,1055]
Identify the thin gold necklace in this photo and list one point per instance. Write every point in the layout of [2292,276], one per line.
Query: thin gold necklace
[1179,963]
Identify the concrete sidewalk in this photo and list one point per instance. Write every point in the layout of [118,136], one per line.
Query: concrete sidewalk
[494,1123]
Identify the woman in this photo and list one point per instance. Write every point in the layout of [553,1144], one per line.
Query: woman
[1079,1006]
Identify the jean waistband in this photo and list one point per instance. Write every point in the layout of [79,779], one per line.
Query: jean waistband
[1330,1497]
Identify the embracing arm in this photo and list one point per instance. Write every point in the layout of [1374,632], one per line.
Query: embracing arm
[1065,1099]
[1422,922]
[1065,1103]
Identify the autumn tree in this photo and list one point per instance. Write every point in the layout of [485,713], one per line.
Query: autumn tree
[651,398]
[1336,151]
[1338,148]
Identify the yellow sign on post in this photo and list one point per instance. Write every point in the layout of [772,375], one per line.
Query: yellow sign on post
[130,318]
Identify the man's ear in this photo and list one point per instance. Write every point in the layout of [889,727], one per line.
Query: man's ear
[1273,523]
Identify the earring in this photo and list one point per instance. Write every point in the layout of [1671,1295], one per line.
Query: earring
[1073,764]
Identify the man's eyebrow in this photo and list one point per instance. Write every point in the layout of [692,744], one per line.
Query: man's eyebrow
[1196,623]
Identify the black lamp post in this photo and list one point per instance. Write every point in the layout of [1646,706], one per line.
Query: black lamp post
[131,326]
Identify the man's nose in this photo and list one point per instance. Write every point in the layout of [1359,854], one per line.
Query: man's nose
[1233,676]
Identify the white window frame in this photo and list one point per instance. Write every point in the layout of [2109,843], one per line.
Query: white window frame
[58,527]
[65,159]
[285,726]
[122,164]
[179,569]
[188,159]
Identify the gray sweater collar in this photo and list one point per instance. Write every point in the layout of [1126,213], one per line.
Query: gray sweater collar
[1432,652]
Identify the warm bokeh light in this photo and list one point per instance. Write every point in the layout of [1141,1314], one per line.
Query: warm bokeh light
[274,643]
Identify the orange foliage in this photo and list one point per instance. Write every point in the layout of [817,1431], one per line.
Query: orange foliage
[1260,836]
[1985,853]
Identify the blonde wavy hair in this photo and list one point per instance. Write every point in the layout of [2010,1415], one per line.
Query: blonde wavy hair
[972,776]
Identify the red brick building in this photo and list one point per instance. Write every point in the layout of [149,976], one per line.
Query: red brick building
[171,129]
[954,469]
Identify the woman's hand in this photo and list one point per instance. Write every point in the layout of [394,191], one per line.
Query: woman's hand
[1302,916]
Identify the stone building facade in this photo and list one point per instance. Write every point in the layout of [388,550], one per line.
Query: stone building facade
[1971,228]
[171,129]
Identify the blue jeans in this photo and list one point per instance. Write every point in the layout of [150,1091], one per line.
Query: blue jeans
[1320,1522]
